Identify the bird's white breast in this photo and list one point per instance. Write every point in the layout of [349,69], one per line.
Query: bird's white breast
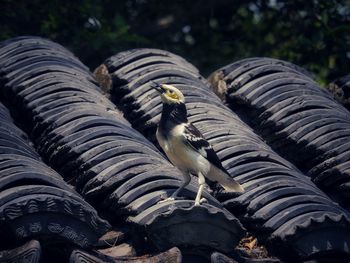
[180,154]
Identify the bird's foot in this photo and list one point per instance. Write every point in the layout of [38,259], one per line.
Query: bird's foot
[203,200]
[166,200]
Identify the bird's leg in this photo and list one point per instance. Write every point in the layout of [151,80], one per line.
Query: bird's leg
[186,181]
[201,181]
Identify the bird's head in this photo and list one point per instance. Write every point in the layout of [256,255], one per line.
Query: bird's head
[170,94]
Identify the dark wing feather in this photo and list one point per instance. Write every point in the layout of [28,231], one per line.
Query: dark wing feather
[195,139]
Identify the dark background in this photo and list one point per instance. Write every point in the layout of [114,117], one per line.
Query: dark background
[208,33]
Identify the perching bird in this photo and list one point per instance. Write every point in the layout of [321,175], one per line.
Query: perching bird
[185,146]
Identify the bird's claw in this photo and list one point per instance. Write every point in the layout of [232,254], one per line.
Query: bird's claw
[198,203]
[166,200]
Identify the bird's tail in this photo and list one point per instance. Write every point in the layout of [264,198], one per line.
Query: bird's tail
[225,180]
[231,185]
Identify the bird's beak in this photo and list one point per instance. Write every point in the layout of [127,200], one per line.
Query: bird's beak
[158,87]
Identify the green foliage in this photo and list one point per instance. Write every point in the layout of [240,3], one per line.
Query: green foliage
[314,34]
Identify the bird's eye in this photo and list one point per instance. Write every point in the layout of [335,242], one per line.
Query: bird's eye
[172,94]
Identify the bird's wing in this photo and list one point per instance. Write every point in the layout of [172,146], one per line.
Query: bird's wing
[196,141]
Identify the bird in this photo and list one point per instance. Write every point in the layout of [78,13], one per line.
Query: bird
[185,146]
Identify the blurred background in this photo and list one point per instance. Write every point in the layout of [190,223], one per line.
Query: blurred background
[314,34]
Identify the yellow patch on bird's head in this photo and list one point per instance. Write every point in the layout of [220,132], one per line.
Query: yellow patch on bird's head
[170,94]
